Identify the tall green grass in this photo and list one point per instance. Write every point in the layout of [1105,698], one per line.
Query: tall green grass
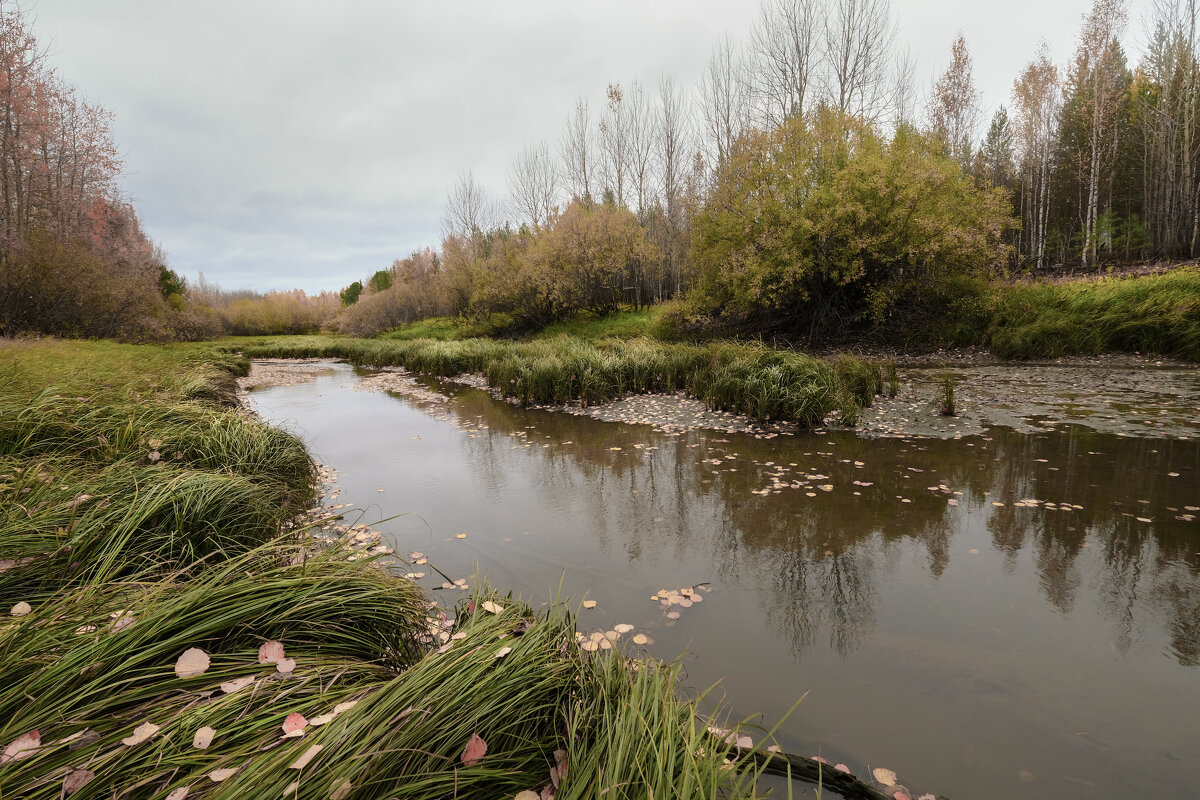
[1150,314]
[760,382]
[140,518]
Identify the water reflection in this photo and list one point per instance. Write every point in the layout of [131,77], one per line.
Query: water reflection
[825,554]
[971,611]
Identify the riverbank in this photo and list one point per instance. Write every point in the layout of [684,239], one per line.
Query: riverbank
[173,632]
[1150,312]
[751,380]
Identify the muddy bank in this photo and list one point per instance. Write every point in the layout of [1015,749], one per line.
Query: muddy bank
[1133,399]
[1126,395]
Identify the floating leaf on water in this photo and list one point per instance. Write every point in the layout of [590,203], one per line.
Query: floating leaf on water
[622,627]
[589,604]
[21,609]
[194,661]
[491,608]
[460,536]
[475,750]
[819,759]
[589,646]
[842,768]
[774,748]
[885,776]
[203,738]
[605,644]
[305,757]
[237,684]
[218,775]
[642,638]
[22,747]
[899,795]
[270,652]
[140,734]
[744,742]
[294,724]
[285,666]
[672,615]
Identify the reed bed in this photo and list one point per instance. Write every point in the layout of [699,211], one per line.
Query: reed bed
[760,382]
[118,567]
[1149,314]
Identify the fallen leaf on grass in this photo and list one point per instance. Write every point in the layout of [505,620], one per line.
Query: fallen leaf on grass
[341,791]
[475,750]
[193,662]
[179,794]
[294,725]
[140,734]
[842,768]
[305,757]
[203,738]
[218,775]
[491,608]
[503,651]
[23,747]
[270,652]
[526,795]
[285,666]
[237,684]
[21,609]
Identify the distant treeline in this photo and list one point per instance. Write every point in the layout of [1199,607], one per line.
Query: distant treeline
[73,256]
[798,186]
[800,182]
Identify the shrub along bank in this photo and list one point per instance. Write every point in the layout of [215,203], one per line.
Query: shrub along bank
[142,521]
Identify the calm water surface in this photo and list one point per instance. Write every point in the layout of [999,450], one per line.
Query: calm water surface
[943,623]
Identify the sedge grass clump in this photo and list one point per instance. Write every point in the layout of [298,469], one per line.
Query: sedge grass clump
[945,397]
[891,379]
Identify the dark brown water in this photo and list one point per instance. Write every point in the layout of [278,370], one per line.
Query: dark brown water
[944,624]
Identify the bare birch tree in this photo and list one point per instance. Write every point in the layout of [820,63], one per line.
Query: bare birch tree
[1101,27]
[640,118]
[576,149]
[673,151]
[1037,103]
[859,38]
[470,213]
[785,51]
[533,185]
[614,143]
[723,102]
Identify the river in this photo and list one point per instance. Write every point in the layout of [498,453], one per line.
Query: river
[1006,613]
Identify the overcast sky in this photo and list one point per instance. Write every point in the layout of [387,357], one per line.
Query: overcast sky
[278,145]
